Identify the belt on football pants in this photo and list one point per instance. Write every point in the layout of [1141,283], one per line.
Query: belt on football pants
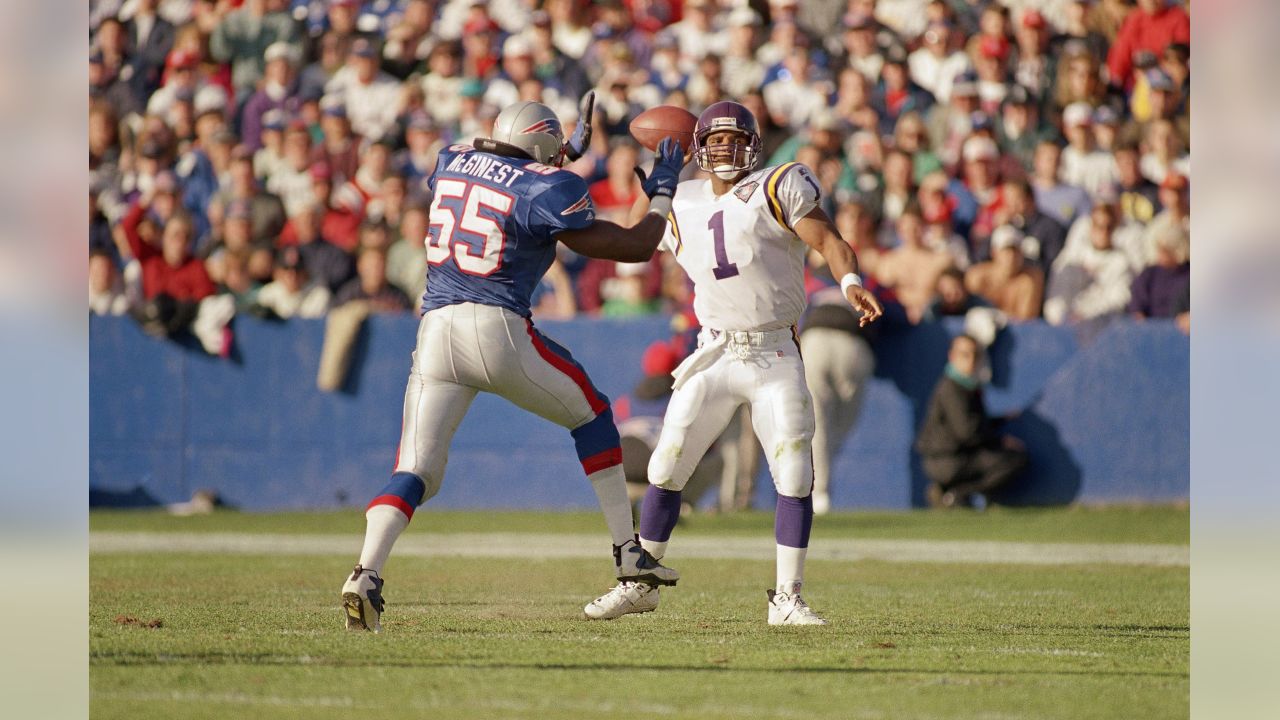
[753,337]
[712,341]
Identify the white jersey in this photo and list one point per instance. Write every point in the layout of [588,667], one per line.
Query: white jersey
[746,262]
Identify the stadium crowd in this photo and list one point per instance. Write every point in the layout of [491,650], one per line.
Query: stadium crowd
[1026,155]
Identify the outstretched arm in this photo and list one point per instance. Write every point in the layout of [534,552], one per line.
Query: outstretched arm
[610,241]
[818,232]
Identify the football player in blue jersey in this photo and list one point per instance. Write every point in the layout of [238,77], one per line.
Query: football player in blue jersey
[499,208]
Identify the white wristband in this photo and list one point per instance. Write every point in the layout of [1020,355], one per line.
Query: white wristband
[660,205]
[849,280]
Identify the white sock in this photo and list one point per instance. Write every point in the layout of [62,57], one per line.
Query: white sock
[383,524]
[655,548]
[790,568]
[611,489]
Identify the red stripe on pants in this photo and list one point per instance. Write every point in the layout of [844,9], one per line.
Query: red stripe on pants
[576,375]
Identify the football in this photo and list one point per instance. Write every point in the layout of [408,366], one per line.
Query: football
[654,124]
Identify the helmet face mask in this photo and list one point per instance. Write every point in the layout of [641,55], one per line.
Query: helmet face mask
[533,129]
[742,156]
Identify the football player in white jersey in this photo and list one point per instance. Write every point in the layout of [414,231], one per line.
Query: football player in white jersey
[742,236]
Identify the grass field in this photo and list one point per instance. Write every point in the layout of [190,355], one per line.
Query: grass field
[252,635]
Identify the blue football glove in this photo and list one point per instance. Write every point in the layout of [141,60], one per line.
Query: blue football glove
[665,175]
[580,140]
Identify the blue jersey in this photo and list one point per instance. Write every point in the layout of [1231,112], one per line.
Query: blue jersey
[492,230]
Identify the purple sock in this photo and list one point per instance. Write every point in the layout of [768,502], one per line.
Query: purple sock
[659,514]
[793,520]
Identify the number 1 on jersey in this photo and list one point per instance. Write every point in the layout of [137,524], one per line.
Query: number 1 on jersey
[724,268]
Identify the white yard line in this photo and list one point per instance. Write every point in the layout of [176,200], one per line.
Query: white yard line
[556,546]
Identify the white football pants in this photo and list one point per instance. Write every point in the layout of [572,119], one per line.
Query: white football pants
[466,348]
[763,370]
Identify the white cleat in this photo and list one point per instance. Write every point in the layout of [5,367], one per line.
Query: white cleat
[788,608]
[636,564]
[627,597]
[362,602]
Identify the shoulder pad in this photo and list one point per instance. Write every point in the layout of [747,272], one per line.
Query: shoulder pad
[540,169]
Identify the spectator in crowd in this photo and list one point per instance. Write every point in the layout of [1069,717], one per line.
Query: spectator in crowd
[838,363]
[1083,164]
[407,256]
[911,137]
[800,92]
[1175,217]
[330,57]
[857,226]
[279,84]
[1032,67]
[938,62]
[106,293]
[1093,282]
[897,93]
[912,269]
[1151,26]
[1158,289]
[1061,201]
[952,298]
[108,88]
[291,181]
[442,83]
[962,451]
[898,191]
[1079,80]
[979,192]
[324,261]
[1078,28]
[1018,128]
[701,31]
[173,282]
[571,29]
[614,289]
[268,214]
[516,67]
[1013,286]
[372,97]
[370,285]
[551,62]
[243,36]
[1043,236]
[409,39]
[862,52]
[742,72]
[338,147]
[1139,198]
[1163,152]
[150,38]
[950,123]
[235,280]
[292,293]
[617,192]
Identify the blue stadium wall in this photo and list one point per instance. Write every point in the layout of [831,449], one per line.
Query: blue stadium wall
[1105,421]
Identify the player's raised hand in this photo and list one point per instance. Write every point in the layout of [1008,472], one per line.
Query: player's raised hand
[662,180]
[580,140]
[866,303]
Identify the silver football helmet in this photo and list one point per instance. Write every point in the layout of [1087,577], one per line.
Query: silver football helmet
[532,128]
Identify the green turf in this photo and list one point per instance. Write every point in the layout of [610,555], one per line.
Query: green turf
[261,637]
[1072,524]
